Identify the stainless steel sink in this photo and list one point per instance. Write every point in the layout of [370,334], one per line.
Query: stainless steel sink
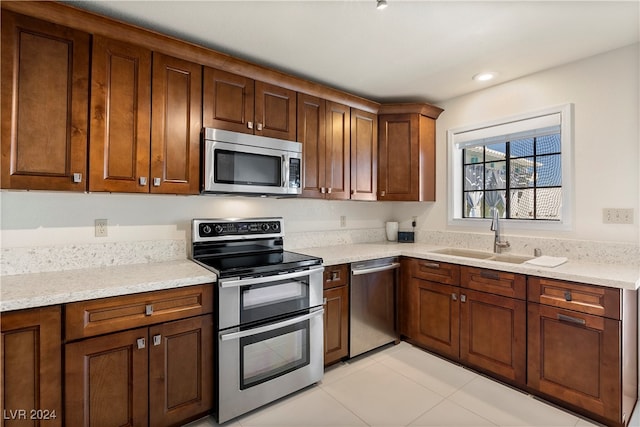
[512,259]
[488,256]
[466,253]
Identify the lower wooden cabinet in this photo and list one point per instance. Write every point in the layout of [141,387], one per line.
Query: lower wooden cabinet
[586,360]
[157,376]
[336,313]
[481,329]
[493,334]
[434,316]
[31,367]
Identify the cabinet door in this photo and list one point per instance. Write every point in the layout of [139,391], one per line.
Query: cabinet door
[575,357]
[336,324]
[180,370]
[45,97]
[406,162]
[176,126]
[107,380]
[275,111]
[493,334]
[31,357]
[398,157]
[120,117]
[311,133]
[338,152]
[434,317]
[228,101]
[364,155]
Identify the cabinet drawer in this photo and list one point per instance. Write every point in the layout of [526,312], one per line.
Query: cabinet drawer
[588,299]
[436,271]
[106,315]
[495,282]
[336,275]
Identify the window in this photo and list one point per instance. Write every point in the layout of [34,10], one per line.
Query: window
[519,166]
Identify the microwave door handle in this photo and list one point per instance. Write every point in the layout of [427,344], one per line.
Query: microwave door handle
[268,328]
[230,283]
[285,170]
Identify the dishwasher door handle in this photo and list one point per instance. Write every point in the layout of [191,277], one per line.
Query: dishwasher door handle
[360,271]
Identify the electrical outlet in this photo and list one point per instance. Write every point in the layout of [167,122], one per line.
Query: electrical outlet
[617,216]
[343,221]
[101,227]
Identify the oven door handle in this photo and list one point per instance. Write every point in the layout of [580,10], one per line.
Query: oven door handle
[231,283]
[267,328]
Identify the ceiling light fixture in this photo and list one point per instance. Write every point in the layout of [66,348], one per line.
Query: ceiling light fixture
[485,76]
[381,4]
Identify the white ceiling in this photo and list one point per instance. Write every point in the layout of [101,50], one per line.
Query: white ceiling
[423,51]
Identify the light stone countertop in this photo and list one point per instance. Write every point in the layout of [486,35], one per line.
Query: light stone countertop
[42,289]
[610,275]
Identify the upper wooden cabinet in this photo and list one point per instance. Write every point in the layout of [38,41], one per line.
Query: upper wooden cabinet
[31,366]
[324,129]
[176,123]
[45,77]
[406,162]
[132,150]
[237,103]
[364,155]
[120,117]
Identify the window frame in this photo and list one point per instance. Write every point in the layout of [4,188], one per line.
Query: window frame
[455,184]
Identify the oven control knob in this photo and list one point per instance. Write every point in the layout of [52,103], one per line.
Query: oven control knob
[218,229]
[265,227]
[206,229]
[275,226]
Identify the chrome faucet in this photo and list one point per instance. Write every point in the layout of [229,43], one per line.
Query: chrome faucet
[498,244]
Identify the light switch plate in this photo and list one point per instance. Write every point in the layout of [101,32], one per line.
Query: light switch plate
[101,227]
[617,216]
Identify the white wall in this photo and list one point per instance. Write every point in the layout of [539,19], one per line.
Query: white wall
[57,218]
[605,92]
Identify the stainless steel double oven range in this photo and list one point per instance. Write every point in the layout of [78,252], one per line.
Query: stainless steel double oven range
[270,323]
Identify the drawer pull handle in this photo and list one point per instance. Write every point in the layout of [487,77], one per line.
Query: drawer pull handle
[430,264]
[490,275]
[565,318]
[148,309]
[334,275]
[141,343]
[567,296]
[454,297]
[463,298]
[157,340]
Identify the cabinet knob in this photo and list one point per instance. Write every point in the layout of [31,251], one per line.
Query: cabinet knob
[143,180]
[141,343]
[383,193]
[250,125]
[322,190]
[463,298]
[148,309]
[77,178]
[454,297]
[156,182]
[259,126]
[157,340]
[334,275]
[329,190]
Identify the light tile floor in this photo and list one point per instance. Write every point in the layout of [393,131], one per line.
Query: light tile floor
[404,386]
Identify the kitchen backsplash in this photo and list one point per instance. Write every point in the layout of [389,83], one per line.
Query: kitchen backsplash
[70,257]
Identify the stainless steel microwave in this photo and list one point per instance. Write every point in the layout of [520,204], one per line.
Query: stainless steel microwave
[236,163]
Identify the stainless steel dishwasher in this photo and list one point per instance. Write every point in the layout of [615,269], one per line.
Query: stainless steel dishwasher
[373,304]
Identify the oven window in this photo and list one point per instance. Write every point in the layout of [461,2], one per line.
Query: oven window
[272,354]
[272,299]
[233,167]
